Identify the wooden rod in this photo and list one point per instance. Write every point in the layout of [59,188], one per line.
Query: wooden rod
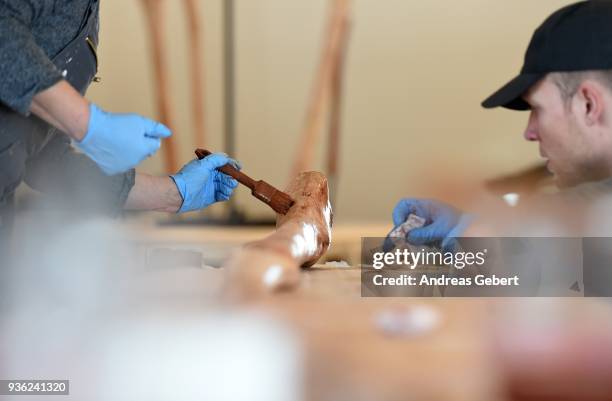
[335,117]
[315,116]
[155,24]
[196,56]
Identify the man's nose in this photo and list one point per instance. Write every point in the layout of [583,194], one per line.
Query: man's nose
[531,132]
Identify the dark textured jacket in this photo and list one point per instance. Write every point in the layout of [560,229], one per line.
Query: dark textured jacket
[32,33]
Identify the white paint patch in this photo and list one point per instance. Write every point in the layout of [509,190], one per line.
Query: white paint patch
[273,275]
[417,320]
[511,199]
[65,73]
[327,213]
[305,243]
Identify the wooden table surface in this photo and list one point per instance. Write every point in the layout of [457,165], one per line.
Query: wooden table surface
[351,357]
[348,355]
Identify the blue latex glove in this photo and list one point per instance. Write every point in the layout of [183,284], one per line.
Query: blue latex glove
[119,142]
[442,227]
[201,184]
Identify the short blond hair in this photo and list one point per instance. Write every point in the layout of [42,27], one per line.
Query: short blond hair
[569,82]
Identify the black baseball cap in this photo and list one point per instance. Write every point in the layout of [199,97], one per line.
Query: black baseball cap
[575,38]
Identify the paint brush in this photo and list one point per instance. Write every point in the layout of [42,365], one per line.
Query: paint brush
[279,201]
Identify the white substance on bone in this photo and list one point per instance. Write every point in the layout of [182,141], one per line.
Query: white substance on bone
[414,321]
[327,213]
[305,243]
[272,276]
[512,199]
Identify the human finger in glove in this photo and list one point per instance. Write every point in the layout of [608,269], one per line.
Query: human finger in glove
[201,184]
[119,142]
[443,224]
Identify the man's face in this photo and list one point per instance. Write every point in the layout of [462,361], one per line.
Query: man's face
[573,155]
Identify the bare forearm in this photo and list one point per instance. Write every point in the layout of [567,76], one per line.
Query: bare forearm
[64,108]
[154,193]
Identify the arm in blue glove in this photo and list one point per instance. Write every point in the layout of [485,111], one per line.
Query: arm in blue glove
[115,142]
[201,184]
[196,186]
[443,222]
[119,142]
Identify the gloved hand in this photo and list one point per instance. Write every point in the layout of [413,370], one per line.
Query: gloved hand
[201,184]
[443,222]
[119,142]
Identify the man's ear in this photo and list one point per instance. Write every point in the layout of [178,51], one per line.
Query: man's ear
[590,95]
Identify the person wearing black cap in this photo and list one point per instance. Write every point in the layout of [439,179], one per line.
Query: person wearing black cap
[566,84]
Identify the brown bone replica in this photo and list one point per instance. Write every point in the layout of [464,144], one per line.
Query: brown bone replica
[301,237]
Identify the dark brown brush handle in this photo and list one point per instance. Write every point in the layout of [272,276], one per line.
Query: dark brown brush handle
[229,170]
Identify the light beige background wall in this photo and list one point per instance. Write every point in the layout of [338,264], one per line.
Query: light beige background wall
[416,74]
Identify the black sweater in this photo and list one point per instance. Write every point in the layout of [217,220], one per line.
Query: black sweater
[32,32]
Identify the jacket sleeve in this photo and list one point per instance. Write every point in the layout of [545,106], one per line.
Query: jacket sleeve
[25,69]
[73,180]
